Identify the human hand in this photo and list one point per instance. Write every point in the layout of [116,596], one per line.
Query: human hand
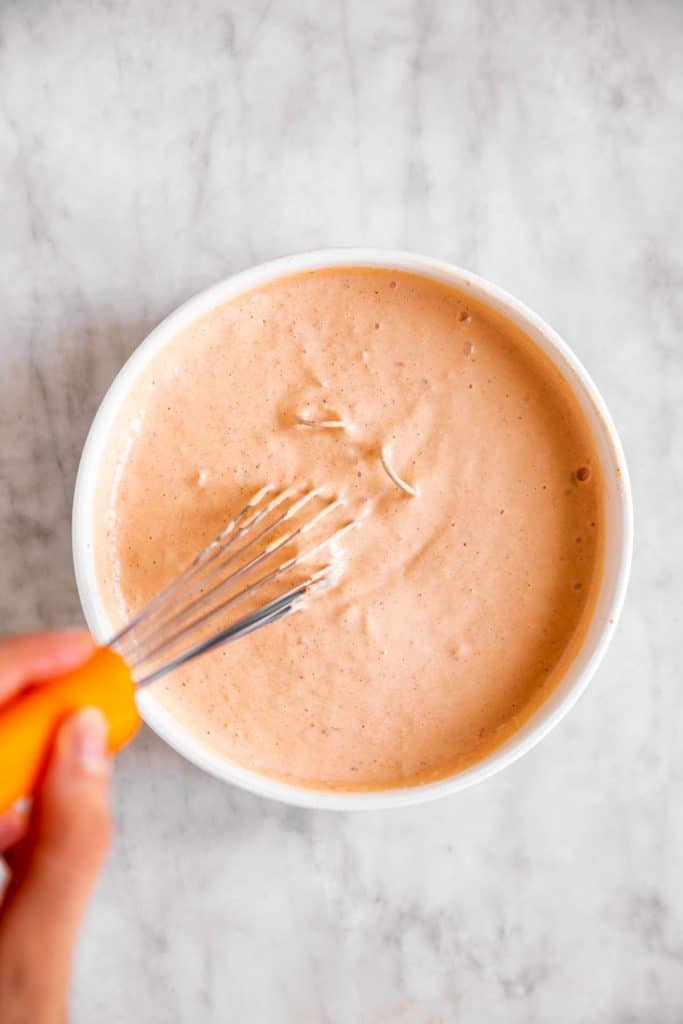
[54,852]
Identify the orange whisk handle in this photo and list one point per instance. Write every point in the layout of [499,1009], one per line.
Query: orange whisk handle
[28,723]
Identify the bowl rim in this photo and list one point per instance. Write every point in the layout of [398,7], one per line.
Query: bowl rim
[543,720]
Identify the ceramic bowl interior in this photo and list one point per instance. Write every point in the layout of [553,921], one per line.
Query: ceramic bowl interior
[618,527]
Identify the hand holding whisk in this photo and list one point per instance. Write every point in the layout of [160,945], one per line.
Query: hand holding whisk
[251,575]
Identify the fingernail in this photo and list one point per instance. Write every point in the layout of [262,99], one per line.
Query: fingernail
[89,734]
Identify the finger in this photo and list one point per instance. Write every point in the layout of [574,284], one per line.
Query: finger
[12,828]
[34,657]
[68,839]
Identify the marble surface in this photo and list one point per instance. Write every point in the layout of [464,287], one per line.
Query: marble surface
[146,150]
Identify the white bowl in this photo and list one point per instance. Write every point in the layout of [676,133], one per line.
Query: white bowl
[619,527]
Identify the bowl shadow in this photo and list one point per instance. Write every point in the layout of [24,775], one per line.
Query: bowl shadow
[47,405]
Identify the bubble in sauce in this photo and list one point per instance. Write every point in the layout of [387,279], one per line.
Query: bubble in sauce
[461,650]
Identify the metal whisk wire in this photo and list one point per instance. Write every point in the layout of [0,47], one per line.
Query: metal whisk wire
[205,590]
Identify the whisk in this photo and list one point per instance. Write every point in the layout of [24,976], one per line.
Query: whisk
[251,575]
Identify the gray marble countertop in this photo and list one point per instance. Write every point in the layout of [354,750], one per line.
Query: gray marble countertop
[148,149]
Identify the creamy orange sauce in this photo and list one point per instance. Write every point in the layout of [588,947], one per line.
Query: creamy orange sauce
[460,606]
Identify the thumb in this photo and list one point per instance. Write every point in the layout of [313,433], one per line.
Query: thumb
[67,842]
[72,827]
